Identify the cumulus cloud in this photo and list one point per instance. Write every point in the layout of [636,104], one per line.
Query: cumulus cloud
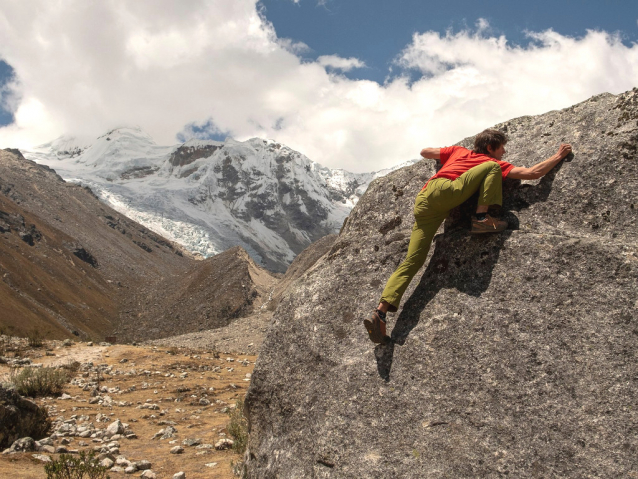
[340,63]
[207,68]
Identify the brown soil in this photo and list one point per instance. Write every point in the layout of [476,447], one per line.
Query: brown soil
[44,286]
[194,421]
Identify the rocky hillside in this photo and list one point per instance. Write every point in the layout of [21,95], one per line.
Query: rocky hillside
[511,355]
[209,195]
[247,333]
[214,293]
[69,264]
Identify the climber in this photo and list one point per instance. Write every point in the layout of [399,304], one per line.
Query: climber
[463,173]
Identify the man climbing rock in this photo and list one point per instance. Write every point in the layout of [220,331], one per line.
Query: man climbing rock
[463,173]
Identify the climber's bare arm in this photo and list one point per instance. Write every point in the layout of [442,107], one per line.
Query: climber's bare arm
[540,169]
[431,153]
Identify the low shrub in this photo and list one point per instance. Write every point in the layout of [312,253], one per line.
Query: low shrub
[76,467]
[238,427]
[71,366]
[34,338]
[34,382]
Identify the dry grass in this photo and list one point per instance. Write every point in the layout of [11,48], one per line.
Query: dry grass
[238,427]
[35,339]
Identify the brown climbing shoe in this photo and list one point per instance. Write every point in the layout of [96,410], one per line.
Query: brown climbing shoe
[488,225]
[375,327]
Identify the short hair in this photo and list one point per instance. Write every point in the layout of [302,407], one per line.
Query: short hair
[489,137]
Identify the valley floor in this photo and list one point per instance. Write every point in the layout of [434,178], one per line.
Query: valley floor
[173,384]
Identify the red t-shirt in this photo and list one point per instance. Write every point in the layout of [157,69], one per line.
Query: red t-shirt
[456,160]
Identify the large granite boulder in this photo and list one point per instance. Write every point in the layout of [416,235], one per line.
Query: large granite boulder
[511,355]
[20,418]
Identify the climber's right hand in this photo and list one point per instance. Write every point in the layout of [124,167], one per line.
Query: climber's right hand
[564,150]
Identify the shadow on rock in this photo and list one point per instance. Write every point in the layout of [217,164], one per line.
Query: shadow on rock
[461,261]
[469,271]
[517,196]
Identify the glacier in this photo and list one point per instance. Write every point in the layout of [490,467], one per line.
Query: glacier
[210,195]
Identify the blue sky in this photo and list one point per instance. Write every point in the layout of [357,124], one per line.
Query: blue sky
[6,74]
[376,31]
[357,84]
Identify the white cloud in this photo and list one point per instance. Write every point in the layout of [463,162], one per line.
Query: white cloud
[293,46]
[340,63]
[169,66]
[320,3]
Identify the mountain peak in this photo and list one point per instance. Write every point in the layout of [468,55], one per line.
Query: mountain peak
[210,195]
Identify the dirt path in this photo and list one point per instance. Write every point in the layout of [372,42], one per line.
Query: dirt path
[64,355]
[242,336]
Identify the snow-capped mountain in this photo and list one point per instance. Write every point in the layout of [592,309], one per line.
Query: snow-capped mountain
[210,195]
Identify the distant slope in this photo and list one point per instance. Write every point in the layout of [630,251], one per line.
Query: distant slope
[214,293]
[45,287]
[68,262]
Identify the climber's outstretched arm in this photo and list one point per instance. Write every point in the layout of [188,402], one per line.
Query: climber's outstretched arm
[431,153]
[540,169]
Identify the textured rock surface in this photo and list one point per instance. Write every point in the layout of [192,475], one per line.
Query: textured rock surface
[510,355]
[302,263]
[20,418]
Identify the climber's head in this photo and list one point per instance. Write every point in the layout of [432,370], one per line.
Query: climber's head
[490,142]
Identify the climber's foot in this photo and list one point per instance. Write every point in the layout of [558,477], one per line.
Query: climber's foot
[488,225]
[375,326]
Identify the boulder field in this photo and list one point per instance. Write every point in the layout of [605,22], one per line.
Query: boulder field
[511,355]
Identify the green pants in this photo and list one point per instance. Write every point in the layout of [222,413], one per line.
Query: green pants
[432,206]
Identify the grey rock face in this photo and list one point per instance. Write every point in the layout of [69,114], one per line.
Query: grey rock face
[510,355]
[19,418]
[224,444]
[191,442]
[285,193]
[169,432]
[23,444]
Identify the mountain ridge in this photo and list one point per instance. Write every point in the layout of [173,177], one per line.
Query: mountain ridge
[210,195]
